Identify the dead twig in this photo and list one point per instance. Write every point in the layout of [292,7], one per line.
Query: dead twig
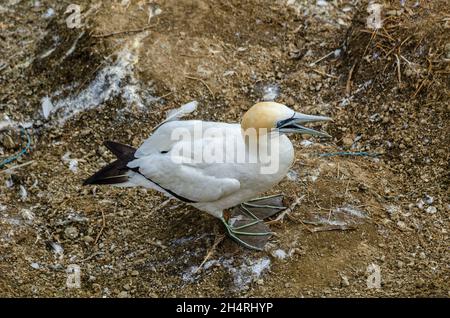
[202,81]
[324,74]
[322,58]
[103,226]
[165,95]
[418,89]
[194,56]
[217,240]
[160,206]
[91,256]
[332,228]
[157,244]
[286,212]
[348,86]
[399,74]
[125,32]
[346,188]
[9,170]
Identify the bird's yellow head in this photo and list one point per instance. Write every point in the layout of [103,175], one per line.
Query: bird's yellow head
[268,116]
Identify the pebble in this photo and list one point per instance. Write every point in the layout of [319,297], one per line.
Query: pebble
[134,273]
[420,204]
[97,287]
[447,48]
[27,215]
[344,281]
[420,283]
[71,232]
[88,239]
[8,142]
[347,142]
[429,199]
[35,265]
[123,294]
[127,287]
[401,225]
[431,210]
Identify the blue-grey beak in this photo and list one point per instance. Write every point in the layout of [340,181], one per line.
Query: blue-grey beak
[293,124]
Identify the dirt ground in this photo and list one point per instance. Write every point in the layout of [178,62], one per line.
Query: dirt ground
[373,225]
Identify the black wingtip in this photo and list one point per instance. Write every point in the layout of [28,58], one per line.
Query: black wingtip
[113,173]
[121,151]
[88,181]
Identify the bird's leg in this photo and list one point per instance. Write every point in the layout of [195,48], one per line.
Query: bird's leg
[264,207]
[248,232]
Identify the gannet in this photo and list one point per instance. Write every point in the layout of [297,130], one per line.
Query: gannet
[215,166]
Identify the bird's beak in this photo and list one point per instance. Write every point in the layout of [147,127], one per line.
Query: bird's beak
[293,125]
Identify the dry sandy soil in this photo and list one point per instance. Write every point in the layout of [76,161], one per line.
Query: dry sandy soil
[114,77]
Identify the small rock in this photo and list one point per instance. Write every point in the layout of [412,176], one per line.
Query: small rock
[47,107]
[431,210]
[23,192]
[420,283]
[71,232]
[290,101]
[9,182]
[35,265]
[134,273]
[306,143]
[347,142]
[280,254]
[401,225]
[447,48]
[123,294]
[88,239]
[57,248]
[27,215]
[97,287]
[344,281]
[9,143]
[127,287]
[292,175]
[429,199]
[420,204]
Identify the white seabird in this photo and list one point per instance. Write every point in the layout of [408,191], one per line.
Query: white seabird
[215,166]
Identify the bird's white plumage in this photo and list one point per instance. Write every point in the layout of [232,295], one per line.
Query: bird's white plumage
[212,186]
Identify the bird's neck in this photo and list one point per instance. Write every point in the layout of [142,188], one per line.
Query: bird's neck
[259,138]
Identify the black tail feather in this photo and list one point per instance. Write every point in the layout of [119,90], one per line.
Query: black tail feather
[116,171]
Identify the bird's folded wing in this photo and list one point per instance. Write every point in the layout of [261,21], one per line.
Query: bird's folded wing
[171,133]
[189,181]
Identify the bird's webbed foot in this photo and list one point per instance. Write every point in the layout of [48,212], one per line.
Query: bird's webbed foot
[246,223]
[247,231]
[264,207]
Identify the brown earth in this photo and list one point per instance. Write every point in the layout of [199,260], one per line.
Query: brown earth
[388,92]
